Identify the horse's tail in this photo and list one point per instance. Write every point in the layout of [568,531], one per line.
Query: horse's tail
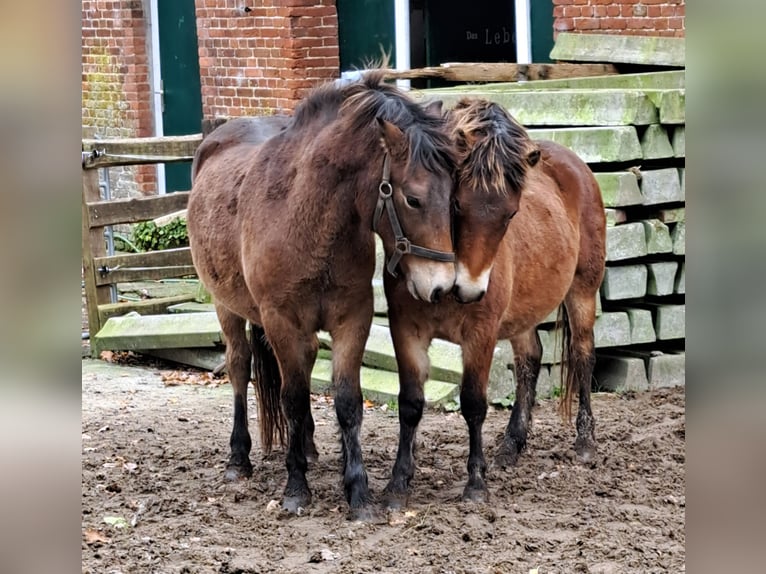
[568,369]
[268,384]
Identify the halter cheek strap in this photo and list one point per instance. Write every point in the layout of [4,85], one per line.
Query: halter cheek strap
[403,245]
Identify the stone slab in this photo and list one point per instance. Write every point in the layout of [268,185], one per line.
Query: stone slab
[672,215]
[612,329]
[669,321]
[620,49]
[596,144]
[678,141]
[502,384]
[382,387]
[201,358]
[661,277]
[133,332]
[678,235]
[657,236]
[626,241]
[572,107]
[661,186]
[671,104]
[641,326]
[619,189]
[624,282]
[679,285]
[619,374]
[446,358]
[666,370]
[655,143]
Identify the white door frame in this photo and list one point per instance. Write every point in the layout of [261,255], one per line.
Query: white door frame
[155,72]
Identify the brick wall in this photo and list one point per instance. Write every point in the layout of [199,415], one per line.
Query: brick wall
[115,81]
[263,60]
[637,17]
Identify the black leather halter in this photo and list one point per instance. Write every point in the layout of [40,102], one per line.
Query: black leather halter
[403,245]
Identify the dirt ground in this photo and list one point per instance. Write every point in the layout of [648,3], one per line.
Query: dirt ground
[155,443]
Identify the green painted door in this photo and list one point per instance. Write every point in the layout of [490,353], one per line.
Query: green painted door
[182,97]
[541,29]
[364,28]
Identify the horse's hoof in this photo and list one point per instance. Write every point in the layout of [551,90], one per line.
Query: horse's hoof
[367,513]
[395,500]
[477,495]
[237,472]
[296,504]
[507,457]
[586,451]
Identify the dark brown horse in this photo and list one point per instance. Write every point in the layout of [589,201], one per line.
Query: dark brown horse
[510,276]
[281,220]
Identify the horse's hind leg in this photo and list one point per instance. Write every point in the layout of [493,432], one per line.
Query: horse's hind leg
[296,352]
[527,352]
[580,358]
[238,356]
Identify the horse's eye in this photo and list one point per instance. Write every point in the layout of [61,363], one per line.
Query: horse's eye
[413,201]
[509,217]
[456,206]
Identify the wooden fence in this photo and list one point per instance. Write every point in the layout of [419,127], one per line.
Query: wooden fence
[101,270]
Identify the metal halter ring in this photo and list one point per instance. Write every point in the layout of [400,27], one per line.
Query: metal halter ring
[383,186]
[403,245]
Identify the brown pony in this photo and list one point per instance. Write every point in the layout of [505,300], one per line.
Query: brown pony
[510,276]
[281,222]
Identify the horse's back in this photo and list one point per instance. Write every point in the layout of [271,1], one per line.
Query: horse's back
[243,134]
[582,196]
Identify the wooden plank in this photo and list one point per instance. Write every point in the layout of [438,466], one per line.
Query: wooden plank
[565,107]
[620,49]
[144,266]
[93,245]
[132,151]
[145,307]
[112,212]
[145,273]
[503,72]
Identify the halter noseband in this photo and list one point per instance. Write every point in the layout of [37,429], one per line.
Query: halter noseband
[403,245]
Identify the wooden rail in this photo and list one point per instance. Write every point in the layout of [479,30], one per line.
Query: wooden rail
[100,271]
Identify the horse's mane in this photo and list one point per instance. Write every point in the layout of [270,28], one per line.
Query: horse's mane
[493,146]
[362,101]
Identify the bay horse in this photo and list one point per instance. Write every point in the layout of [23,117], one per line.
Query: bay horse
[510,276]
[281,219]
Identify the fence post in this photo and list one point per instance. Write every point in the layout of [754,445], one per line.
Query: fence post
[93,245]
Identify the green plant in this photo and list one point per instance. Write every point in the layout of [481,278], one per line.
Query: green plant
[148,237]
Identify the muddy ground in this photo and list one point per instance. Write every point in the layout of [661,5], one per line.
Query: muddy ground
[155,443]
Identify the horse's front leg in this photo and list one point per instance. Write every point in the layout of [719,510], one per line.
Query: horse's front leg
[527,353]
[296,351]
[348,341]
[477,358]
[411,348]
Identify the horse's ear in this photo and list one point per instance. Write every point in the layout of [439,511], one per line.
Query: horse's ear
[392,138]
[533,157]
[434,107]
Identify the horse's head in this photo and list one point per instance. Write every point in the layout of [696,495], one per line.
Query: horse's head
[416,181]
[494,155]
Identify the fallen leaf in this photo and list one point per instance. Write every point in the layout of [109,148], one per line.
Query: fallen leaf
[368,404]
[107,356]
[95,537]
[116,521]
[272,505]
